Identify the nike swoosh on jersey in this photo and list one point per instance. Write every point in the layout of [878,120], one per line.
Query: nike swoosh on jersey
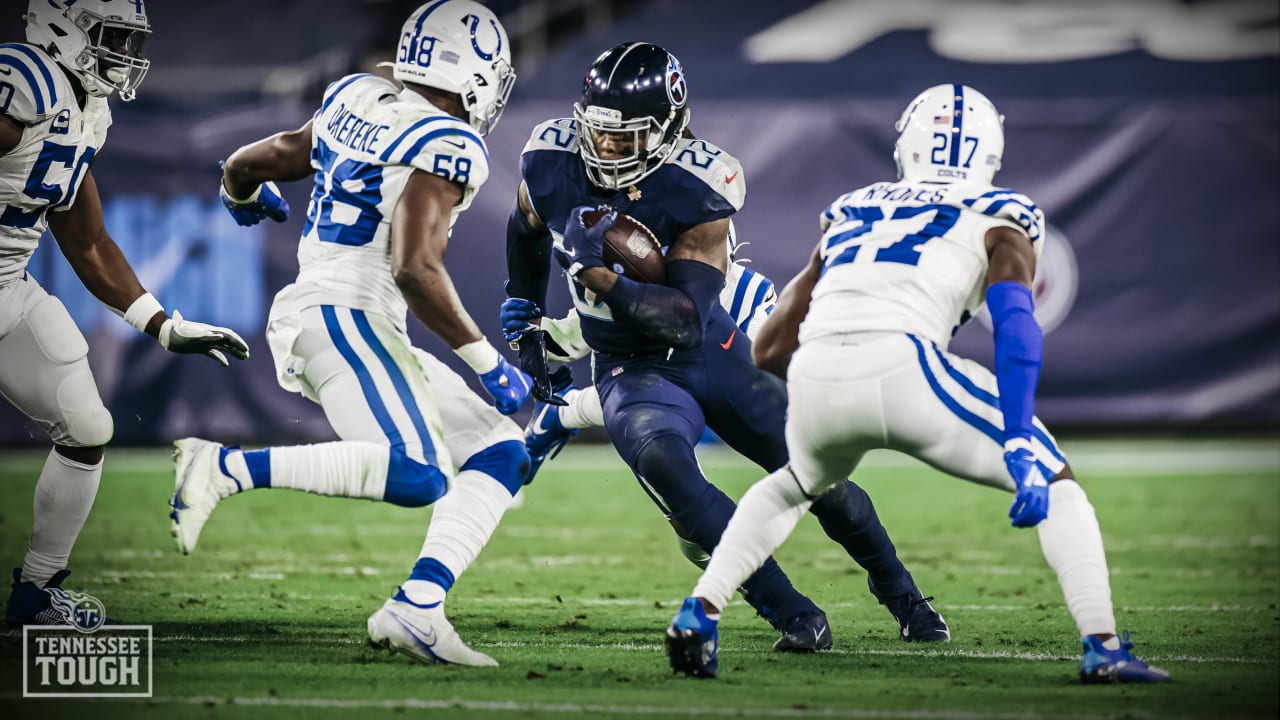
[729,178]
[6,71]
[729,342]
[459,145]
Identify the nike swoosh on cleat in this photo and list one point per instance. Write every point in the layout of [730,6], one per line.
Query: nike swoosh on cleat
[729,342]
[426,641]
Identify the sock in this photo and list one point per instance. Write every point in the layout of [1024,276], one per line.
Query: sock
[64,495]
[848,516]
[765,517]
[583,410]
[1072,544]
[346,468]
[462,522]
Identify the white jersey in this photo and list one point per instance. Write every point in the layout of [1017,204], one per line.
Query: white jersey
[59,141]
[368,137]
[748,297]
[910,257]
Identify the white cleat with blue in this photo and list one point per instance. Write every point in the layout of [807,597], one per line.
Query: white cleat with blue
[199,485]
[422,632]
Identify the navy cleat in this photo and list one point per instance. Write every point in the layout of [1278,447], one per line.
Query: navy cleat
[693,641]
[1101,664]
[805,633]
[917,620]
[30,604]
[544,436]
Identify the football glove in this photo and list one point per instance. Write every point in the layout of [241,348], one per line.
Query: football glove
[518,316]
[265,202]
[187,337]
[1031,505]
[506,385]
[582,247]
[533,361]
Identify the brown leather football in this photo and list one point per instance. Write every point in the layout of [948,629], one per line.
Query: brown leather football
[630,249]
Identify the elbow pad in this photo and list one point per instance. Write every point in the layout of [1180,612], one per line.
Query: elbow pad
[1018,345]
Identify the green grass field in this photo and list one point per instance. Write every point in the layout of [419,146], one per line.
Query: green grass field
[572,595]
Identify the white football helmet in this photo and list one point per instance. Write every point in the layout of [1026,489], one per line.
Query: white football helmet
[459,46]
[949,133]
[100,42]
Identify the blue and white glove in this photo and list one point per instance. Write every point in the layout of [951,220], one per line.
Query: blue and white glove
[582,247]
[507,385]
[518,317]
[1032,502]
[265,202]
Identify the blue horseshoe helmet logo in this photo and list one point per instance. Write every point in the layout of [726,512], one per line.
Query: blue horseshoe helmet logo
[486,56]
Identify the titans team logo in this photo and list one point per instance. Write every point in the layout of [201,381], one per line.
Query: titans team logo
[677,90]
[81,611]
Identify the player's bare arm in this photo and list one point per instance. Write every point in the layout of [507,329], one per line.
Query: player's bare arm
[1010,257]
[95,257]
[780,335]
[10,133]
[419,238]
[283,157]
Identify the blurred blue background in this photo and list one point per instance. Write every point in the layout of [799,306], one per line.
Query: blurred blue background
[1148,131]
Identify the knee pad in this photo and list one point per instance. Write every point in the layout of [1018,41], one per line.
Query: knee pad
[411,483]
[82,420]
[507,462]
[846,499]
[668,465]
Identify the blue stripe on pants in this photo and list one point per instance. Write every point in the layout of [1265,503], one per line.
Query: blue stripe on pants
[399,382]
[362,374]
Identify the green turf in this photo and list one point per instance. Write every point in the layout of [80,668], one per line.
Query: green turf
[572,595]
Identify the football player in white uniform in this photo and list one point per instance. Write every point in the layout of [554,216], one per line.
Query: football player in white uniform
[899,266]
[53,123]
[748,297]
[394,164]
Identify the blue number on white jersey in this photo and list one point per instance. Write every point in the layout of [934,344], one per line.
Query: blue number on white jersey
[904,250]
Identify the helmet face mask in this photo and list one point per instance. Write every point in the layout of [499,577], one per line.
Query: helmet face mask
[460,47]
[949,133]
[633,110]
[100,42]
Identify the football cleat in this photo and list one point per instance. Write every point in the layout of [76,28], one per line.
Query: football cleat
[693,641]
[917,620]
[199,485]
[1101,664]
[544,436]
[805,633]
[422,632]
[30,604]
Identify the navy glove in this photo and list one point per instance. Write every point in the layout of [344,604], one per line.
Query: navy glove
[518,316]
[1032,502]
[507,385]
[582,247]
[265,202]
[533,360]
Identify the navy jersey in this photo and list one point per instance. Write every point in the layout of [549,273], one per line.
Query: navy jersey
[697,184]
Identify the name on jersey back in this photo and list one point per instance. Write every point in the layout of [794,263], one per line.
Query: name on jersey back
[354,131]
[892,192]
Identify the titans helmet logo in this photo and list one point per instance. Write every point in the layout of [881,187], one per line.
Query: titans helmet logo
[677,90]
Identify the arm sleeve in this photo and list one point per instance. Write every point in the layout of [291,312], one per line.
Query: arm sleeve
[675,314]
[528,259]
[1019,343]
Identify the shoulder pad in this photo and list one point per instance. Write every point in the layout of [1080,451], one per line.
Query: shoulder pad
[442,145]
[559,134]
[29,91]
[342,83]
[719,170]
[1005,204]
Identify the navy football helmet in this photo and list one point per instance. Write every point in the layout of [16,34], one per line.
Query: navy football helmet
[634,108]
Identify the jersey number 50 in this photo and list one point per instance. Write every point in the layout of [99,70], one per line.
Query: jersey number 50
[56,195]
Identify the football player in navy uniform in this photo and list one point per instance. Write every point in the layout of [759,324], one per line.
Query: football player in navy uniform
[669,360]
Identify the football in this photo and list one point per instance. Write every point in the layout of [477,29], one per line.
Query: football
[630,248]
